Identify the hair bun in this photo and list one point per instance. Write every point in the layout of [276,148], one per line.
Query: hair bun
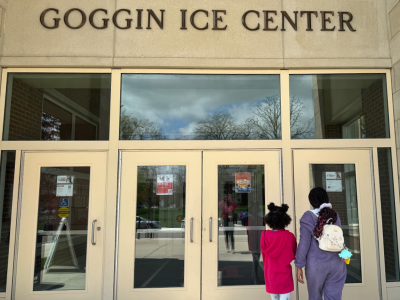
[285,207]
[271,206]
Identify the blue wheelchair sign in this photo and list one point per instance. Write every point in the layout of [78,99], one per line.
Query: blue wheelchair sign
[64,202]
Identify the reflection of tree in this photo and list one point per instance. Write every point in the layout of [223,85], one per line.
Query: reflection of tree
[132,128]
[51,128]
[221,126]
[264,124]
[363,128]
[266,120]
[299,129]
[47,200]
[147,190]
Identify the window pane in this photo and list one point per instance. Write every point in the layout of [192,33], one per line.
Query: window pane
[200,107]
[241,210]
[339,181]
[160,227]
[57,107]
[6,195]
[350,106]
[62,228]
[388,215]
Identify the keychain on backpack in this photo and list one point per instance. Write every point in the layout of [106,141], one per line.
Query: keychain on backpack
[345,255]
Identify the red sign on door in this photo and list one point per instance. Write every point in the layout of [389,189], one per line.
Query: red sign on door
[165,184]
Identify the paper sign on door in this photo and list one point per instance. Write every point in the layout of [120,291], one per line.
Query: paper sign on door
[242,182]
[65,186]
[333,181]
[165,184]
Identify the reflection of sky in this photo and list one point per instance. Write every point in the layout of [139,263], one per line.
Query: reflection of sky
[176,103]
[301,87]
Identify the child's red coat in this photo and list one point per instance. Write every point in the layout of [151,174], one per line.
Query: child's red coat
[278,250]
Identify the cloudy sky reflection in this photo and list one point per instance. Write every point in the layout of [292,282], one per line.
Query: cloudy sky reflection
[301,87]
[176,103]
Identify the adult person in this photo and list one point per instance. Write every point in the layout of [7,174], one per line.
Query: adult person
[325,271]
[228,208]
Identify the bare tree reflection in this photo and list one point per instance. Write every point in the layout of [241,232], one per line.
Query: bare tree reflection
[263,124]
[267,119]
[132,128]
[222,126]
[298,128]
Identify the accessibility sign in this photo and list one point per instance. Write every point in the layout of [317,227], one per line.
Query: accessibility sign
[64,202]
[63,212]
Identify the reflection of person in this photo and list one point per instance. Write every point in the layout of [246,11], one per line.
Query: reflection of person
[253,239]
[325,271]
[228,208]
[278,248]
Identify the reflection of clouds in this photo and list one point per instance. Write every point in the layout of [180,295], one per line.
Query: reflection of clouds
[301,87]
[242,111]
[188,131]
[177,102]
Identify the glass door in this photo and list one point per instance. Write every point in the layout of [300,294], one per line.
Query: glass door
[60,251]
[160,226]
[346,176]
[237,187]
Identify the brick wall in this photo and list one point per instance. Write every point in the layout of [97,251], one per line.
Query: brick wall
[6,201]
[97,101]
[333,132]
[25,112]
[329,131]
[27,106]
[373,109]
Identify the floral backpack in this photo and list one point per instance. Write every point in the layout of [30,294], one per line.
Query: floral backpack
[332,239]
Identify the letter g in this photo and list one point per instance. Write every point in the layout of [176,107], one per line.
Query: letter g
[56,20]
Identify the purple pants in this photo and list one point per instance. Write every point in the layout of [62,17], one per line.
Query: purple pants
[325,271]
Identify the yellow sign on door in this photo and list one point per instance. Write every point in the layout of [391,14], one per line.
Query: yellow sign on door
[63,212]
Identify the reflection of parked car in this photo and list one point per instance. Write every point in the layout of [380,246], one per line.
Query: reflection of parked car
[243,216]
[143,223]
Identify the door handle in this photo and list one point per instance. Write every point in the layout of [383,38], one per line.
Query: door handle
[191,230]
[210,229]
[93,225]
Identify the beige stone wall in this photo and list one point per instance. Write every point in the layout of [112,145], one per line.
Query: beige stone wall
[28,43]
[393,8]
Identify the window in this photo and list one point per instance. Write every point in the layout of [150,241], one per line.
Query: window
[6,195]
[57,107]
[200,107]
[348,106]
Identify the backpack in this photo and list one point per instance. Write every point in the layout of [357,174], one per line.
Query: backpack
[332,239]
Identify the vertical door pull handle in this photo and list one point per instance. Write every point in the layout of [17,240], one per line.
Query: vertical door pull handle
[210,229]
[191,230]
[93,226]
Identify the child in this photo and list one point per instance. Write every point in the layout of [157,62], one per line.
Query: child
[278,247]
